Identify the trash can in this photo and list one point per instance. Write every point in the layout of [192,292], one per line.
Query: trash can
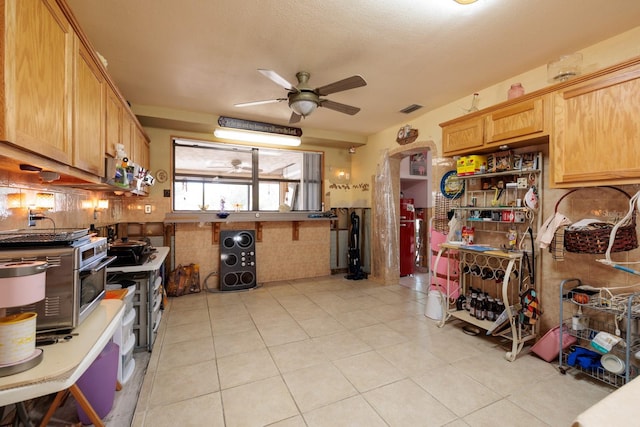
[98,383]
[433,309]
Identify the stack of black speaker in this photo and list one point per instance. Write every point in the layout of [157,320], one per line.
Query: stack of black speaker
[237,260]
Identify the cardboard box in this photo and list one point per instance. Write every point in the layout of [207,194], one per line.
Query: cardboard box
[461,165]
[475,164]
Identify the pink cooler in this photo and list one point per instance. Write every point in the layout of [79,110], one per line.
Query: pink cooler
[98,383]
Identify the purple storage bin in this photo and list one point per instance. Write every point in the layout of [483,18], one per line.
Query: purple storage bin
[98,383]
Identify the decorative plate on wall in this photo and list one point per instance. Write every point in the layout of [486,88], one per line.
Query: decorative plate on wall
[451,186]
[162,175]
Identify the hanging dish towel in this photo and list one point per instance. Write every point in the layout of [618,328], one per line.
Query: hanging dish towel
[548,229]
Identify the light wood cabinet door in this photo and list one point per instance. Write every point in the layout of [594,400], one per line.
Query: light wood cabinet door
[113,125]
[463,136]
[596,131]
[522,120]
[128,128]
[141,149]
[88,123]
[38,74]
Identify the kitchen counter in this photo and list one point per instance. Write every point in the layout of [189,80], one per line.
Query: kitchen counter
[151,265]
[245,216]
[617,409]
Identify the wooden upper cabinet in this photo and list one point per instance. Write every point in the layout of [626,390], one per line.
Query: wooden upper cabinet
[89,116]
[141,149]
[114,122]
[596,130]
[515,124]
[525,119]
[38,76]
[128,129]
[463,136]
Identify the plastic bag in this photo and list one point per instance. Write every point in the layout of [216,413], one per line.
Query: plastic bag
[184,280]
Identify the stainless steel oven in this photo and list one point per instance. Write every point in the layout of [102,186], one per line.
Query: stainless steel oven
[75,280]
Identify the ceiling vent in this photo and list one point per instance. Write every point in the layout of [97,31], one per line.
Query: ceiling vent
[411,108]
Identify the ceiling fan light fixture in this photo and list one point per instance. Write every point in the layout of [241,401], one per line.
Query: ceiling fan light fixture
[303,107]
[257,137]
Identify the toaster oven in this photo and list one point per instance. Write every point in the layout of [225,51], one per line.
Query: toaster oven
[74,284]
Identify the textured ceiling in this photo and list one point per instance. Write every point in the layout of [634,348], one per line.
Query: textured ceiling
[202,56]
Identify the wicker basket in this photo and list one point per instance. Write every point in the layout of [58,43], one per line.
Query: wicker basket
[596,241]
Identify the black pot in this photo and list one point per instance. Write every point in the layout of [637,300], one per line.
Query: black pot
[137,247]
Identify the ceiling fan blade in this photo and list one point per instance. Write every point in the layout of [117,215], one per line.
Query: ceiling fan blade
[344,84]
[343,108]
[295,118]
[252,103]
[277,79]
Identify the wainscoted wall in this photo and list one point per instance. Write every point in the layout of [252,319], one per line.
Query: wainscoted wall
[278,256]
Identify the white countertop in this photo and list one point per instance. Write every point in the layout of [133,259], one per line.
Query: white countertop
[151,265]
[65,362]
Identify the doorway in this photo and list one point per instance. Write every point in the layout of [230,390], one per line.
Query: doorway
[389,273]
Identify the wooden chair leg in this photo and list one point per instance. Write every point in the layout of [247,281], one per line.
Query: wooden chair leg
[62,394]
[86,406]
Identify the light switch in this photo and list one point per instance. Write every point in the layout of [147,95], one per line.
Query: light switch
[147,209]
[522,183]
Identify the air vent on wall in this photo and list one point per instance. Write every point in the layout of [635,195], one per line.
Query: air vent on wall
[411,108]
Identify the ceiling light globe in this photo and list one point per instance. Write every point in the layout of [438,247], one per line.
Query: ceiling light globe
[303,107]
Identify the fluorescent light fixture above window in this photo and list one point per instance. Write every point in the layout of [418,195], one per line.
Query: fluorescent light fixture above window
[257,137]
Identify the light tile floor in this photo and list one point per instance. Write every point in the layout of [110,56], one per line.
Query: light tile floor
[334,352]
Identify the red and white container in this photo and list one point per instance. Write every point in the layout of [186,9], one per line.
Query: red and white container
[21,283]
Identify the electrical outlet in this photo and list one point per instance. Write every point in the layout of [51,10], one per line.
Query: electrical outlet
[147,209]
[522,183]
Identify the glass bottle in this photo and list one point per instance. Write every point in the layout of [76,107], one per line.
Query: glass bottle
[474,104]
[500,307]
[481,308]
[473,304]
[491,309]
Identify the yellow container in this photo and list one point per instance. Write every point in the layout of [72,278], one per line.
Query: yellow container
[474,164]
[461,165]
[17,337]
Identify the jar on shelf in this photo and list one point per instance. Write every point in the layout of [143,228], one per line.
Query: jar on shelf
[515,91]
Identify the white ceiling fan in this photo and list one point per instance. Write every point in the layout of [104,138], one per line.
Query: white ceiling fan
[233,166]
[303,99]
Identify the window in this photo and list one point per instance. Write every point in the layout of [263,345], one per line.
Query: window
[209,175]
